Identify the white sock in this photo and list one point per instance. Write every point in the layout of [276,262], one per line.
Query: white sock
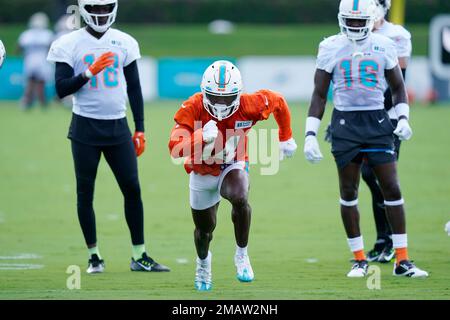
[400,240]
[241,251]
[93,251]
[356,244]
[207,259]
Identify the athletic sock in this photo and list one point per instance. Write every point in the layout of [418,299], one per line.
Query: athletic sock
[241,251]
[400,244]
[138,251]
[356,246]
[207,260]
[93,251]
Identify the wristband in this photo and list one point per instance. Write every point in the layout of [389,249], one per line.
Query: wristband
[312,126]
[88,74]
[402,110]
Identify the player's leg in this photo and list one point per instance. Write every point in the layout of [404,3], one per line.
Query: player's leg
[387,176]
[234,188]
[205,222]
[204,200]
[379,212]
[348,185]
[86,159]
[28,97]
[123,162]
[40,91]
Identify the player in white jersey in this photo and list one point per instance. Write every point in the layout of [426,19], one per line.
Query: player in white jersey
[2,53]
[98,65]
[382,250]
[360,63]
[34,44]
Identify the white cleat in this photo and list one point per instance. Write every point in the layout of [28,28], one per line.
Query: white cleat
[359,269]
[407,269]
[95,265]
[244,271]
[203,274]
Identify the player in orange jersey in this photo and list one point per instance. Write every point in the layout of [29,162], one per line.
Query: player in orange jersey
[211,133]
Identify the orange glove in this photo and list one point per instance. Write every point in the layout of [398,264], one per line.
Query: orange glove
[105,60]
[139,142]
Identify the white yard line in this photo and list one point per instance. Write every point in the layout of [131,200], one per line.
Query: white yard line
[21,256]
[20,266]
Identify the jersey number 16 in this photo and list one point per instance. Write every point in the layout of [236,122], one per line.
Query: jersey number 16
[367,73]
[110,74]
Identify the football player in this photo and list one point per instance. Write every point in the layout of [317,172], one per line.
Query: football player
[34,44]
[383,250]
[360,64]
[2,53]
[211,133]
[98,65]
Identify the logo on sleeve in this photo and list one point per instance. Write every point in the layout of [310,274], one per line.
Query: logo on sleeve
[243,124]
[377,48]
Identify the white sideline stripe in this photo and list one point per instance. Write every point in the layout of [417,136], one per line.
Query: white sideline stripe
[20,266]
[21,256]
[182,260]
[312,260]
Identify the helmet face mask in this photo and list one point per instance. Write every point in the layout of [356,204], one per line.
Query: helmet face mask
[357,18]
[221,88]
[2,53]
[99,14]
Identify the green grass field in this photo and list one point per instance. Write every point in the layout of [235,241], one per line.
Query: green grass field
[195,40]
[298,245]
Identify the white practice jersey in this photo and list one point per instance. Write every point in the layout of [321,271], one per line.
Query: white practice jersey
[104,97]
[399,35]
[35,44]
[358,79]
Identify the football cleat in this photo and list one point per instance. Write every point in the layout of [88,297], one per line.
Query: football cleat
[95,265]
[244,271]
[387,255]
[359,269]
[374,254]
[147,264]
[407,269]
[203,274]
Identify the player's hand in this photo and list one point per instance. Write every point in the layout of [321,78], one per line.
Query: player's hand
[287,148]
[139,142]
[312,150]
[403,130]
[105,60]
[210,131]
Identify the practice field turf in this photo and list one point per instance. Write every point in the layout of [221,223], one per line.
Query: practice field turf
[297,246]
[195,40]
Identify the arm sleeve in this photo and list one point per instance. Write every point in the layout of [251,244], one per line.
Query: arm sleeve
[276,104]
[135,97]
[391,56]
[325,58]
[133,52]
[65,81]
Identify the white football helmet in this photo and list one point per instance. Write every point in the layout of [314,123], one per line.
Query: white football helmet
[221,88]
[358,11]
[383,7]
[39,20]
[2,53]
[93,19]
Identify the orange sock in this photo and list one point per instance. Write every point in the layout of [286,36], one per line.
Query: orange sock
[401,254]
[359,255]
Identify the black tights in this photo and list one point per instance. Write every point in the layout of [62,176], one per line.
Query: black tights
[123,162]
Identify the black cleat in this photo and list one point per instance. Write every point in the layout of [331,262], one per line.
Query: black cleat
[95,265]
[147,264]
[407,269]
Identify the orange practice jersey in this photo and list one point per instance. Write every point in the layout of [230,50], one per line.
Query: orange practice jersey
[186,137]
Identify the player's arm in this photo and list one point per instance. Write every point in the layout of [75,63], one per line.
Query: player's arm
[276,104]
[396,83]
[184,141]
[136,100]
[322,80]
[66,82]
